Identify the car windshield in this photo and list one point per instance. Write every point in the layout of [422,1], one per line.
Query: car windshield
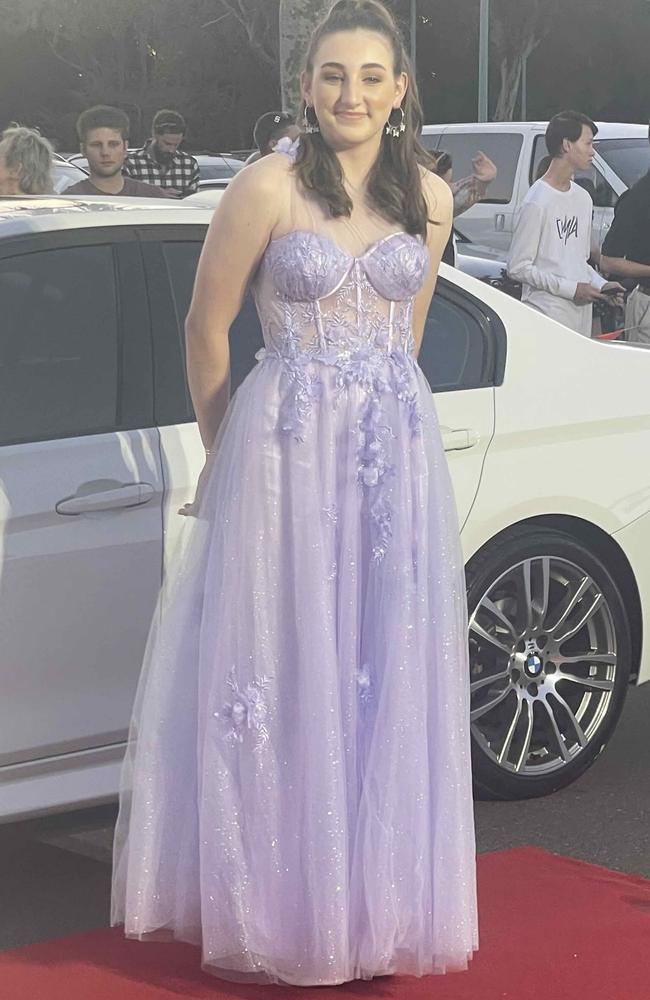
[628,158]
[64,174]
[211,171]
[218,167]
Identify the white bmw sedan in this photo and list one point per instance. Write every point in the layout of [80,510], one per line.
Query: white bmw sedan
[547,436]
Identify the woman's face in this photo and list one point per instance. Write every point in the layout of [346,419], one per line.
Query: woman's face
[9,178]
[353,88]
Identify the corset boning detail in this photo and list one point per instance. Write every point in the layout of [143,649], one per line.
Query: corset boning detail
[308,266]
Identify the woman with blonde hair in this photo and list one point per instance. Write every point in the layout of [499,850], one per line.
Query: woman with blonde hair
[296,793]
[25,162]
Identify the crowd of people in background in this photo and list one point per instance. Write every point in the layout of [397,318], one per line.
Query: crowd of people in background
[161,168]
[551,247]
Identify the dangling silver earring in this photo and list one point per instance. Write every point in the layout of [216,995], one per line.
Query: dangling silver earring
[310,126]
[396,129]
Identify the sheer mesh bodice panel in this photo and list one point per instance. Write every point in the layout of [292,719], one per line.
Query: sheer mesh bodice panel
[331,286]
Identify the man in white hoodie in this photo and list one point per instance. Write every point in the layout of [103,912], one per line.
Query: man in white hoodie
[551,243]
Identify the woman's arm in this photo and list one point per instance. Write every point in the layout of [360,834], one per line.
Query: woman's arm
[238,235]
[439,199]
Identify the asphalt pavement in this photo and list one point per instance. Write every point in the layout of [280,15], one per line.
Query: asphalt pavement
[55,872]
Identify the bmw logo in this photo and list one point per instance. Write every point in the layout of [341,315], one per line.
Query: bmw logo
[533,665]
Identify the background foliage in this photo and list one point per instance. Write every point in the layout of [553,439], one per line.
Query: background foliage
[224,62]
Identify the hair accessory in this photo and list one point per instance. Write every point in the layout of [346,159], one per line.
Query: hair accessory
[310,126]
[395,129]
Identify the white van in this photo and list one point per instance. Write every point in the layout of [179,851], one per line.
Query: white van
[622,157]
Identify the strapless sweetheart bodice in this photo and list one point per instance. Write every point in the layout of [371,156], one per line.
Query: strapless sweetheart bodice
[313,295]
[307,267]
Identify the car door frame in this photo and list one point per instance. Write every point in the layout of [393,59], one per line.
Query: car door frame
[466,412]
[181,450]
[135,390]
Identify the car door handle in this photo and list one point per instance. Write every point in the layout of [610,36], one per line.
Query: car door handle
[500,222]
[130,495]
[458,440]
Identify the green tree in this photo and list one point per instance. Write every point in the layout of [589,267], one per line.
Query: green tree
[517,28]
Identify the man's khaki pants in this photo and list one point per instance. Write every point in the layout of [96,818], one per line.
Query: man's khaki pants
[637,316]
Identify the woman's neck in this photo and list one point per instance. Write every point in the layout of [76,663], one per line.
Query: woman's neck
[357,162]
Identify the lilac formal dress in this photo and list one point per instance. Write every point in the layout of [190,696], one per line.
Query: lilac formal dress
[296,793]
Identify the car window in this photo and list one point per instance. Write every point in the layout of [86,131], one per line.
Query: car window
[628,158]
[600,190]
[58,344]
[173,402]
[503,148]
[602,193]
[463,345]
[539,153]
[66,174]
[431,140]
[214,171]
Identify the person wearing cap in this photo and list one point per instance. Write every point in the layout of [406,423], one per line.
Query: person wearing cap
[269,129]
[161,162]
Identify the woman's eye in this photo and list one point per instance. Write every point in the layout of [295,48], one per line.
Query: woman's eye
[372,79]
[332,77]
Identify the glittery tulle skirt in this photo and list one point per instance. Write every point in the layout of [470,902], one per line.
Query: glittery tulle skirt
[296,792]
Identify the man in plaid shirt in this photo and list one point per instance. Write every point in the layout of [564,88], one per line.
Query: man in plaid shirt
[161,162]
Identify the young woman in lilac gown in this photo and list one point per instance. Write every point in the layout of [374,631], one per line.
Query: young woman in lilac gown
[296,792]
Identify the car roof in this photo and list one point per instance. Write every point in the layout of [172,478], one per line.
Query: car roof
[606,130]
[50,213]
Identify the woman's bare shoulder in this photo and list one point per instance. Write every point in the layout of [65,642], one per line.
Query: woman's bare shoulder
[258,194]
[264,176]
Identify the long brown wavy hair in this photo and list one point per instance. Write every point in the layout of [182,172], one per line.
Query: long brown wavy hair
[395,183]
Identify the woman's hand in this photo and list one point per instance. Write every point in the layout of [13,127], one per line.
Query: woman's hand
[192,509]
[483,168]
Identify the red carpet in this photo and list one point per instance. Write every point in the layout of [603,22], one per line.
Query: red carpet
[551,929]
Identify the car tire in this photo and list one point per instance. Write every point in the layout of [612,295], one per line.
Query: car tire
[542,712]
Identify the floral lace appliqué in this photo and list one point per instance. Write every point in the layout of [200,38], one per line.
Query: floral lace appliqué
[374,472]
[303,388]
[247,711]
[364,683]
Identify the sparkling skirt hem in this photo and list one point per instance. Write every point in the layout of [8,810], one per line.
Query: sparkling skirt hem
[231,968]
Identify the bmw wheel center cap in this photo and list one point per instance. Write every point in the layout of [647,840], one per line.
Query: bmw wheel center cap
[534,665]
